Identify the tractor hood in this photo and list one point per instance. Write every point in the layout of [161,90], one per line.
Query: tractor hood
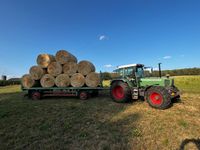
[164,81]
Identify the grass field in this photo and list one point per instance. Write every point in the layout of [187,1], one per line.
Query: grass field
[98,123]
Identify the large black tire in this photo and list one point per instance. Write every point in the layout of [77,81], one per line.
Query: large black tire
[120,92]
[158,97]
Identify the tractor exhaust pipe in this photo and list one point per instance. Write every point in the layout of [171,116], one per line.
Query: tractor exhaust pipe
[159,66]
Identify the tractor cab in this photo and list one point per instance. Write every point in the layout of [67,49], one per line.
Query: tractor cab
[132,72]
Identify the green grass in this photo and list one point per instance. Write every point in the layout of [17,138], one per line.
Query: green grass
[188,83]
[97,123]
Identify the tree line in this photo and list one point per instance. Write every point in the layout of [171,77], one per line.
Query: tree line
[179,72]
[7,82]
[174,72]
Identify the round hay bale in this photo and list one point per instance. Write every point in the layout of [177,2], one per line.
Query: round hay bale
[92,79]
[47,81]
[85,67]
[27,81]
[77,80]
[62,80]
[63,56]
[43,60]
[36,72]
[54,69]
[70,68]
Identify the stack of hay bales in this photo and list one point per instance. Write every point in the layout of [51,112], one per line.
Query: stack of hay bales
[61,70]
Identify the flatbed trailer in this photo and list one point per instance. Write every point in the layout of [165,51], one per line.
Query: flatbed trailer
[82,92]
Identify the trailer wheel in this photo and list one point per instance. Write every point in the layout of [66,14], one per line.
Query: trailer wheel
[83,95]
[120,92]
[36,95]
[158,97]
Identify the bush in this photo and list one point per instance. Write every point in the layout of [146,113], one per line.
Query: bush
[6,82]
[106,76]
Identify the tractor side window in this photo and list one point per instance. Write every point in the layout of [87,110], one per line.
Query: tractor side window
[121,72]
[129,71]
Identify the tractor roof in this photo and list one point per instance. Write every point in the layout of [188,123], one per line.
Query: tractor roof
[130,65]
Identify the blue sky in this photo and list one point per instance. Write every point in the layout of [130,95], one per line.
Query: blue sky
[106,32]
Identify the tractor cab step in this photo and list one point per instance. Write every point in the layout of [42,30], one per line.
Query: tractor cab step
[135,93]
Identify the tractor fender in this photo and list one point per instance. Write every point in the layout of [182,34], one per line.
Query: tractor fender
[145,90]
[123,80]
[148,87]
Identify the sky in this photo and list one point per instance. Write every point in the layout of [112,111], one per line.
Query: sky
[106,32]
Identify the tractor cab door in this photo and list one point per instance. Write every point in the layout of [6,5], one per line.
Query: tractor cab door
[129,73]
[139,74]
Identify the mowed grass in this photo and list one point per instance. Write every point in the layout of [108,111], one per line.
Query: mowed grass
[97,123]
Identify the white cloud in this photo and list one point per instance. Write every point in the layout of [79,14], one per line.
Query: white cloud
[103,37]
[108,66]
[167,57]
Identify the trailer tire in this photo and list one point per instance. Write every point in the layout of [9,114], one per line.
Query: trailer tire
[36,95]
[120,92]
[158,97]
[83,95]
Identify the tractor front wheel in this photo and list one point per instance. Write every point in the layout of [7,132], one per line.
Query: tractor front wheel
[120,92]
[158,97]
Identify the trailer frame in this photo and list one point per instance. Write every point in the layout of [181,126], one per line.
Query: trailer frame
[83,93]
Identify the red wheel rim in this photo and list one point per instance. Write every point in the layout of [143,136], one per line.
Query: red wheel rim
[156,98]
[83,95]
[36,96]
[118,92]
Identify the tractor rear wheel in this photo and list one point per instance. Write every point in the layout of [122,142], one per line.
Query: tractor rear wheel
[158,97]
[120,92]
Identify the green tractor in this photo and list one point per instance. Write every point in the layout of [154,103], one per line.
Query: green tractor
[132,84]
